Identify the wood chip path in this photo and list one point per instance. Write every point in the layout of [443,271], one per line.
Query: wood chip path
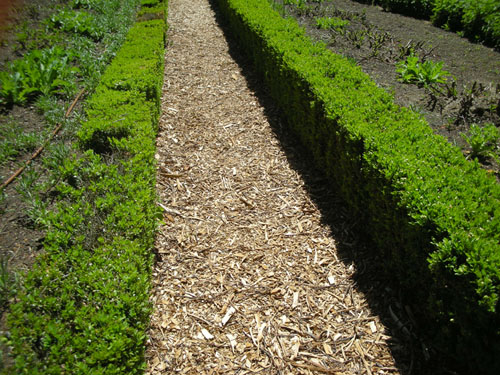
[248,279]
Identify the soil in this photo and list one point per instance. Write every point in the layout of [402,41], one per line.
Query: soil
[377,40]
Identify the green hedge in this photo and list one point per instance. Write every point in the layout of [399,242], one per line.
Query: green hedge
[478,20]
[434,216]
[84,308]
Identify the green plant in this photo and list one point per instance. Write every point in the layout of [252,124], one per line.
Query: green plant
[85,304]
[14,140]
[43,72]
[484,141]
[427,73]
[79,22]
[87,4]
[478,20]
[333,23]
[9,282]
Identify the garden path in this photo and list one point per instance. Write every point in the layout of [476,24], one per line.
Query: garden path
[247,278]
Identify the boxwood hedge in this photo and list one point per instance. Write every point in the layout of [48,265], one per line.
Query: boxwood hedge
[84,307]
[434,216]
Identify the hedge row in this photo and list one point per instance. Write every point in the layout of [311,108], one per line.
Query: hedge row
[84,306]
[432,214]
[478,20]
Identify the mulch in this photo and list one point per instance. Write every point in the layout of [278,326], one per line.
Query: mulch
[248,278]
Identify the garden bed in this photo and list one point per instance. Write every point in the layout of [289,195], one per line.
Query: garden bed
[378,41]
[83,305]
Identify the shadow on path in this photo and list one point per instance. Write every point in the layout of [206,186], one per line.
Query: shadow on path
[411,353]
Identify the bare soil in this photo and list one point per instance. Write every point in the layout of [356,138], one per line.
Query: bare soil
[376,40]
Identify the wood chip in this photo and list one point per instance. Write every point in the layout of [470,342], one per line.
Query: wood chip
[207,334]
[229,314]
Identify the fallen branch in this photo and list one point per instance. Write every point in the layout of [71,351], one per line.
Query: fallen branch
[41,148]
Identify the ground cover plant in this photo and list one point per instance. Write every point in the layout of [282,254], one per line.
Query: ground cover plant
[107,303]
[430,212]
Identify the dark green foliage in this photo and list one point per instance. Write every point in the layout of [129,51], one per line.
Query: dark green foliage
[433,215]
[419,8]
[478,20]
[84,306]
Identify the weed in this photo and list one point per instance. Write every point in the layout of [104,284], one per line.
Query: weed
[331,23]
[377,41]
[409,49]
[50,107]
[357,37]
[451,89]
[467,99]
[26,186]
[54,161]
[424,74]
[3,196]
[484,141]
[86,4]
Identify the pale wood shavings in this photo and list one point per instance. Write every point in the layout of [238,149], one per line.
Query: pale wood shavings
[248,279]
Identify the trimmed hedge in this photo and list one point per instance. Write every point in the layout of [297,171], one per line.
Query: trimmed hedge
[84,308]
[433,215]
[478,20]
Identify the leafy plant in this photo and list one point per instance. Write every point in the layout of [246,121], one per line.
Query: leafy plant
[79,22]
[431,212]
[86,4]
[484,141]
[426,73]
[84,306]
[44,72]
[333,23]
